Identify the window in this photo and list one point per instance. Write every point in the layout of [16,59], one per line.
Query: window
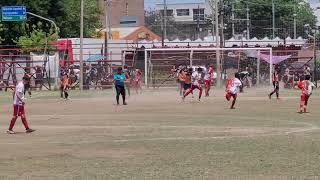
[198,14]
[183,12]
[169,12]
[128,22]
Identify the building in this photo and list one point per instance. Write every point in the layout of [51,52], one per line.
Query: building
[186,11]
[124,13]
[134,34]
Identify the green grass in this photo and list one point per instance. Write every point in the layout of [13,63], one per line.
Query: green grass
[159,137]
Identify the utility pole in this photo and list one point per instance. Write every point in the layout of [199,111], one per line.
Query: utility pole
[164,19]
[198,22]
[81,45]
[295,23]
[221,15]
[232,19]
[106,37]
[315,59]
[273,20]
[216,3]
[213,20]
[248,22]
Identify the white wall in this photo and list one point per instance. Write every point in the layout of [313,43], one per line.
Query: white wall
[189,6]
[93,47]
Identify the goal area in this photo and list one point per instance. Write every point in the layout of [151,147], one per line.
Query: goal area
[163,64]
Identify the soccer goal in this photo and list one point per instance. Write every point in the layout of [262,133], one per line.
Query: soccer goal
[163,64]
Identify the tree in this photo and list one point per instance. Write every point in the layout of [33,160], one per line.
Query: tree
[51,9]
[70,25]
[260,12]
[1,30]
[66,14]
[37,39]
[261,17]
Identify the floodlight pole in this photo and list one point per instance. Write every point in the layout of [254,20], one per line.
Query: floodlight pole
[57,32]
[49,20]
[216,10]
[315,60]
[81,46]
[273,19]
[165,19]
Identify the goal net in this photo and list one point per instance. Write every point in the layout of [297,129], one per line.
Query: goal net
[163,64]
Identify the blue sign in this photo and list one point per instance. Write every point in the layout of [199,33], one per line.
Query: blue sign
[14,13]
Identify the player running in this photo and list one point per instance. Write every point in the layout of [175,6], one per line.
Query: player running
[232,87]
[182,79]
[137,80]
[18,107]
[196,79]
[208,80]
[64,86]
[275,82]
[306,87]
[119,80]
[187,82]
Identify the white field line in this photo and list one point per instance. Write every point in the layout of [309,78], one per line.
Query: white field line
[296,131]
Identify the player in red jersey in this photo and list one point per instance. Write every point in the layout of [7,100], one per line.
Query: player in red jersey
[196,80]
[208,80]
[232,86]
[306,87]
[275,81]
[18,107]
[137,80]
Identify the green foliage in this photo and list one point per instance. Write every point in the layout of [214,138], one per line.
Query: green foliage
[70,25]
[37,39]
[261,17]
[66,14]
[1,30]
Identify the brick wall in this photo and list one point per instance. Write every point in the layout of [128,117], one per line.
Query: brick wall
[118,9]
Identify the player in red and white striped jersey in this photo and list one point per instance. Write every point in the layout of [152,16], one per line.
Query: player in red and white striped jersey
[232,88]
[306,87]
[196,80]
[208,80]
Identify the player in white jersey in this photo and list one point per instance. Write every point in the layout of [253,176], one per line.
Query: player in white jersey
[232,88]
[196,80]
[208,79]
[18,107]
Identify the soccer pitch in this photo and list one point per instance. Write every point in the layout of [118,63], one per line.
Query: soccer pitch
[157,136]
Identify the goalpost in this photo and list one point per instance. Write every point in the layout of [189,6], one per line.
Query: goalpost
[160,60]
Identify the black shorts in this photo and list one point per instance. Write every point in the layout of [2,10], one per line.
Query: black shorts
[275,84]
[120,90]
[186,86]
[27,86]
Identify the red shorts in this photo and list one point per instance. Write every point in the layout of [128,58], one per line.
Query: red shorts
[18,110]
[229,95]
[193,87]
[304,99]
[137,82]
[207,82]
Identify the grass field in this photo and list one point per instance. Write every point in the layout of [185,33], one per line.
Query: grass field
[159,137]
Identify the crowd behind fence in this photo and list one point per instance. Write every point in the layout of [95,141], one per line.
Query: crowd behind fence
[46,68]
